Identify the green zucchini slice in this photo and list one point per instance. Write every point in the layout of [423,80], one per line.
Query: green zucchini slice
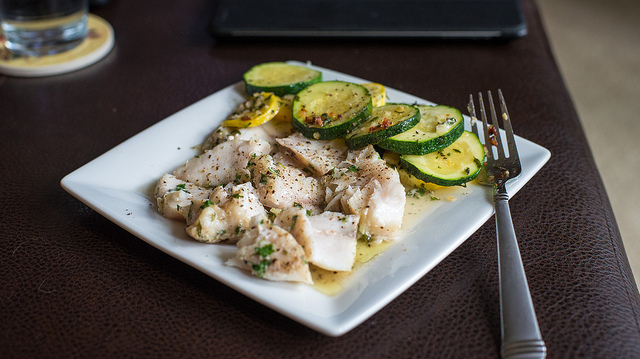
[279,78]
[454,165]
[385,121]
[438,128]
[330,109]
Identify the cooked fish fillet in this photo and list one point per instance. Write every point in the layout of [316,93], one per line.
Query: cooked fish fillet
[363,184]
[272,253]
[206,222]
[174,196]
[282,186]
[222,164]
[268,131]
[318,157]
[225,215]
[329,239]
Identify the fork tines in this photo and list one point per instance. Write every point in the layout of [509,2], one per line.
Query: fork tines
[491,132]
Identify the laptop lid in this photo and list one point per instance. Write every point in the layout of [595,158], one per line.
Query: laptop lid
[368,18]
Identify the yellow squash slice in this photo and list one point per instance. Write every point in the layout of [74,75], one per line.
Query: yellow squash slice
[260,108]
[285,113]
[378,93]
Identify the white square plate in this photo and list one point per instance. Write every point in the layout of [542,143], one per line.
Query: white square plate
[119,185]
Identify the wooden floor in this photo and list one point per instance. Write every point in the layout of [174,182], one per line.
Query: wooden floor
[597,46]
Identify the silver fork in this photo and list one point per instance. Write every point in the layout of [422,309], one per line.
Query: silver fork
[521,336]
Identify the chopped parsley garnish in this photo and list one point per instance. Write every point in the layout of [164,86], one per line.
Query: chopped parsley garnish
[265,250]
[261,267]
[182,187]
[353,168]
[417,192]
[206,204]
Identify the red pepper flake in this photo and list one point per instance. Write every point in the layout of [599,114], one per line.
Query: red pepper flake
[386,123]
[315,120]
[493,133]
[245,118]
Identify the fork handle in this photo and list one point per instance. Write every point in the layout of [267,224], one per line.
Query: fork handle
[521,336]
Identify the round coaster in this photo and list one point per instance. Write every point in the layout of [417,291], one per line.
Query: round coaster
[98,44]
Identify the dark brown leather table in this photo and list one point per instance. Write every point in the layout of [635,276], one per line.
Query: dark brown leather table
[73,284]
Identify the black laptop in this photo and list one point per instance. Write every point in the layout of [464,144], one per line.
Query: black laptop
[458,19]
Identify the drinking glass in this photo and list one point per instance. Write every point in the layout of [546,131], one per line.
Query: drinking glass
[43,27]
